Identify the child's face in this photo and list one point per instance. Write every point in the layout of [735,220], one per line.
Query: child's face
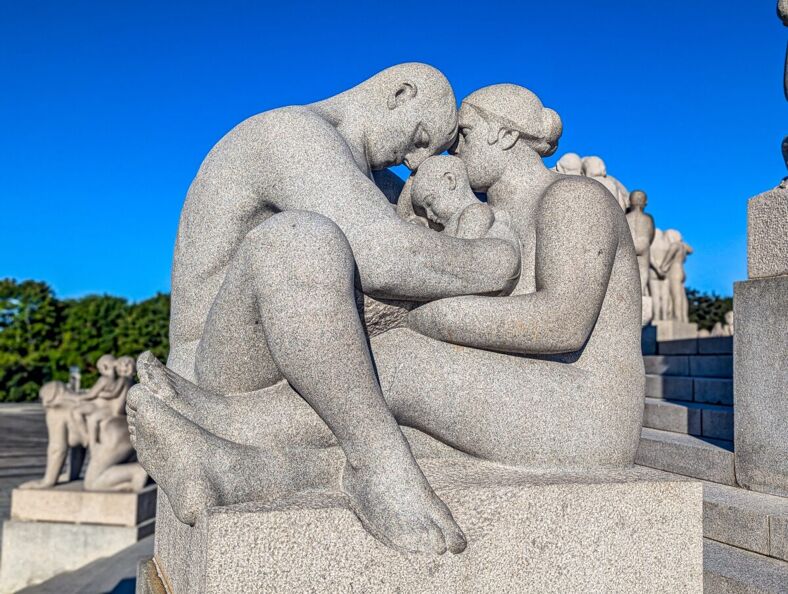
[125,368]
[441,188]
[441,206]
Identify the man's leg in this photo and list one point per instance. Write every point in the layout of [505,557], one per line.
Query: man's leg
[287,310]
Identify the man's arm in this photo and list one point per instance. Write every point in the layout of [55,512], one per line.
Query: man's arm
[399,260]
[577,238]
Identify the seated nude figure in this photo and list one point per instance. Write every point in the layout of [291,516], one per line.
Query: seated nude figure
[512,379]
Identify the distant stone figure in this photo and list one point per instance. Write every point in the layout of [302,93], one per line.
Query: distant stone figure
[717,330]
[657,283]
[594,167]
[570,164]
[96,420]
[782,12]
[672,267]
[727,327]
[703,333]
[642,227]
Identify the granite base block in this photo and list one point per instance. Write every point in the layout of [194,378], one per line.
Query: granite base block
[761,384]
[55,530]
[672,330]
[70,503]
[36,551]
[619,531]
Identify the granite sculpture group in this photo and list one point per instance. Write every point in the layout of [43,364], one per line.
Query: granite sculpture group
[93,422]
[513,335]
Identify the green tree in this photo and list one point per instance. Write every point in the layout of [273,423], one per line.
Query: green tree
[145,327]
[89,330]
[706,309]
[30,318]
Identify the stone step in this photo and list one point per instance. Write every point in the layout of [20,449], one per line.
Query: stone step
[710,390]
[746,519]
[690,365]
[704,420]
[701,458]
[672,415]
[729,569]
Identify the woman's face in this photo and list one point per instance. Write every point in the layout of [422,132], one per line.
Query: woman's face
[482,159]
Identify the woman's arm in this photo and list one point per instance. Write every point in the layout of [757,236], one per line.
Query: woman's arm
[576,242]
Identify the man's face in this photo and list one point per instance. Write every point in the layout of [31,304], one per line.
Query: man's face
[482,160]
[411,132]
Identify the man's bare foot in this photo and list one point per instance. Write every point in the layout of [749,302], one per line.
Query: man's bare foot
[399,508]
[173,451]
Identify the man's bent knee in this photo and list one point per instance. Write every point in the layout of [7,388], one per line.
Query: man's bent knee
[299,241]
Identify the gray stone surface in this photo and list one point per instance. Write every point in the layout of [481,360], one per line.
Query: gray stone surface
[683,346]
[667,365]
[717,421]
[648,340]
[675,330]
[728,570]
[36,551]
[669,387]
[115,574]
[713,390]
[716,345]
[761,384]
[527,533]
[667,415]
[767,234]
[704,459]
[70,503]
[282,228]
[745,519]
[711,366]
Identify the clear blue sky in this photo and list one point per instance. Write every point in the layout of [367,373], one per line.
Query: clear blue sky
[108,108]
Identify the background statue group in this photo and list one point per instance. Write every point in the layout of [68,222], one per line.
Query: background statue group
[320,305]
[661,255]
[94,422]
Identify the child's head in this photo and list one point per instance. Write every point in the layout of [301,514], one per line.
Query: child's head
[50,393]
[125,367]
[106,365]
[441,188]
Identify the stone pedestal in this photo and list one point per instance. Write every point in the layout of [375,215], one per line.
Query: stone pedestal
[761,384]
[673,330]
[61,529]
[618,531]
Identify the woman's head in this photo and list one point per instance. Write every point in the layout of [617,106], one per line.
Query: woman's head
[497,118]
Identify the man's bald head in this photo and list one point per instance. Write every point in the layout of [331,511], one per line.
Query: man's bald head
[410,113]
[637,198]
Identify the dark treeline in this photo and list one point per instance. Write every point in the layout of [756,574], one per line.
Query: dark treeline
[41,336]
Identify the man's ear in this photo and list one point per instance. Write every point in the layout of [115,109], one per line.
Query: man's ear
[451,180]
[402,94]
[507,138]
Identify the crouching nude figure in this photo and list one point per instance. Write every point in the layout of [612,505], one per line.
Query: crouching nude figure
[272,387]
